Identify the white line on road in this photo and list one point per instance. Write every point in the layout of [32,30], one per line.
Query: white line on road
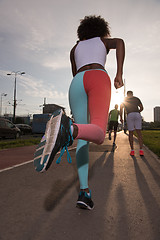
[21,164]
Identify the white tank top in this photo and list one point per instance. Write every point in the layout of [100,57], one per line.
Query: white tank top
[90,51]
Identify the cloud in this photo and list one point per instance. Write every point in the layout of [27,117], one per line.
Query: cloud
[36,36]
[58,60]
[36,88]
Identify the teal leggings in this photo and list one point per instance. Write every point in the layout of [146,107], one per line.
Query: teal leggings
[89,98]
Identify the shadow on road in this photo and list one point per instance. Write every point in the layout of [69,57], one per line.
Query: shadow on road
[150,202]
[155,175]
[60,187]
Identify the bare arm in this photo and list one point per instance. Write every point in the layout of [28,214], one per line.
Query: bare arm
[73,64]
[141,107]
[118,44]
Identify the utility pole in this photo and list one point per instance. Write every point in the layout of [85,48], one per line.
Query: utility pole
[125,122]
[14,100]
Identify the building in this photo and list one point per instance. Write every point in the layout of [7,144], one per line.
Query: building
[40,120]
[157,114]
[50,108]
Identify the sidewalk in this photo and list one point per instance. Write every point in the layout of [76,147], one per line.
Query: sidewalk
[125,190]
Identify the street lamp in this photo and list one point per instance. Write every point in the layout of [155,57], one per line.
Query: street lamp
[2,95]
[14,105]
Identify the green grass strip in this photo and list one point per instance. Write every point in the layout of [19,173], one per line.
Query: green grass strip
[151,138]
[19,143]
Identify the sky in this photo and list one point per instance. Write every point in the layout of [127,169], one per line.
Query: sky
[36,37]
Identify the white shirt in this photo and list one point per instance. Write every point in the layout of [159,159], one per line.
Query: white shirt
[90,51]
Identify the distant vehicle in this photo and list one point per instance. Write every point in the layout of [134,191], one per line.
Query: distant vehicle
[25,128]
[8,129]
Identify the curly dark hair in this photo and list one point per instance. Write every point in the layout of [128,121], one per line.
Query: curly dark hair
[93,26]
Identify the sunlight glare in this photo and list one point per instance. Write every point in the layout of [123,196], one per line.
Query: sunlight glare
[117,98]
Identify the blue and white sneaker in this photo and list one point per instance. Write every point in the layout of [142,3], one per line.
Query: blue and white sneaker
[84,200]
[57,135]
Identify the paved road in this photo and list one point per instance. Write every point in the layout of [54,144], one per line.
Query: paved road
[125,189]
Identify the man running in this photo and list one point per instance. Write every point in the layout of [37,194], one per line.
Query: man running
[113,122]
[133,107]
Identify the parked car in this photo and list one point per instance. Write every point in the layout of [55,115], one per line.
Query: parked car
[8,129]
[25,128]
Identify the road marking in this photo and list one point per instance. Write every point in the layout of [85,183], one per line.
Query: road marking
[24,163]
[17,165]
[21,164]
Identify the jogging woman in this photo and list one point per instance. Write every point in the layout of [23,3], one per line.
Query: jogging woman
[89,98]
[90,91]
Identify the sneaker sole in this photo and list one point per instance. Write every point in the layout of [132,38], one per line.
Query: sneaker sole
[49,145]
[83,205]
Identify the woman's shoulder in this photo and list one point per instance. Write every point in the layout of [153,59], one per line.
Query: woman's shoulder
[111,43]
[73,48]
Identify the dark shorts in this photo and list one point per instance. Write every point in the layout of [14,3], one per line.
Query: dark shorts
[113,124]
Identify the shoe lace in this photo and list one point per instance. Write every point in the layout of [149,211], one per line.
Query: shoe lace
[61,154]
[67,143]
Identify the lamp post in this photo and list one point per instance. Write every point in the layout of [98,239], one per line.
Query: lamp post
[125,122]
[2,95]
[15,101]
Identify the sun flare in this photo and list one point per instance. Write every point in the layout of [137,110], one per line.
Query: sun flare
[117,98]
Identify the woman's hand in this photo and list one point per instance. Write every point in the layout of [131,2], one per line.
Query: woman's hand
[118,82]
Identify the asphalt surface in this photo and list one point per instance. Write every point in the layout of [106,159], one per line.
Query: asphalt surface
[41,206]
